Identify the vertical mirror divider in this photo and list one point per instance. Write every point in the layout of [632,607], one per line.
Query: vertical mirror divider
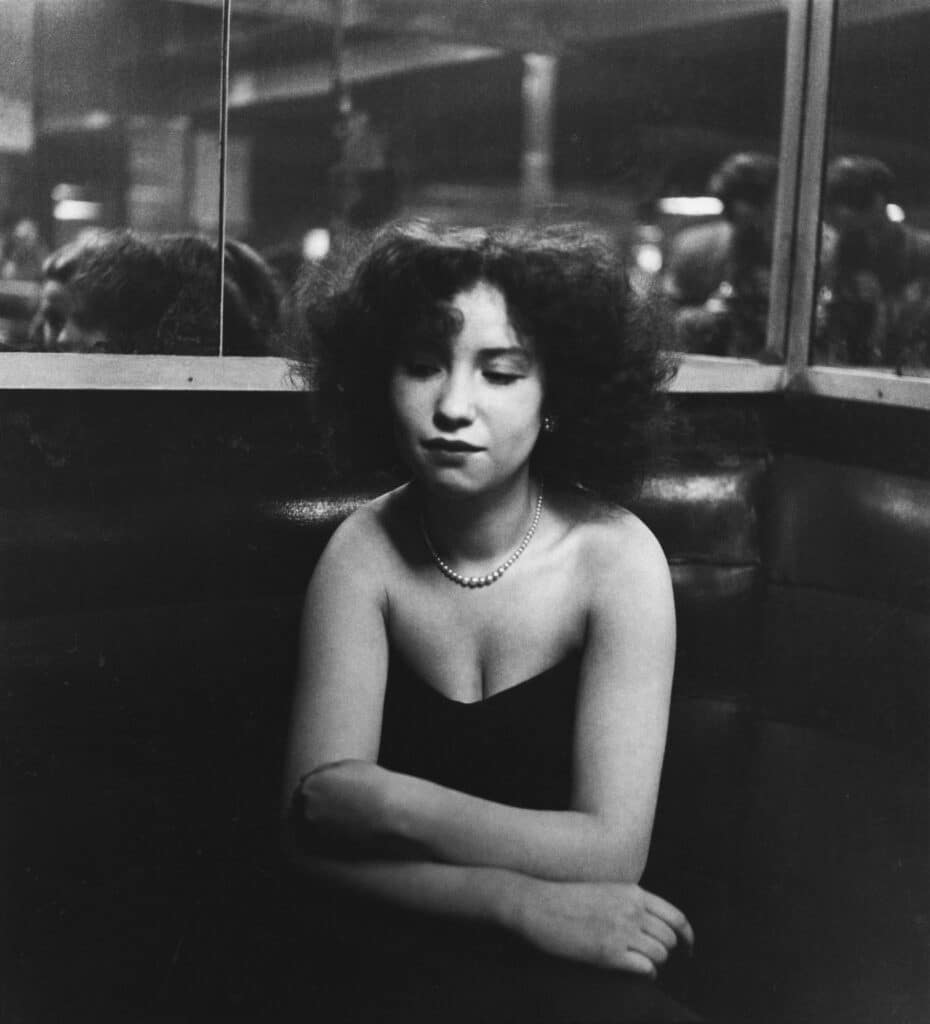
[789,170]
[813,139]
[223,134]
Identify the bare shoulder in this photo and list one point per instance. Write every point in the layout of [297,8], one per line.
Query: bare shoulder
[612,546]
[364,545]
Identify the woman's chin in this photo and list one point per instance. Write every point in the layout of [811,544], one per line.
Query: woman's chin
[451,482]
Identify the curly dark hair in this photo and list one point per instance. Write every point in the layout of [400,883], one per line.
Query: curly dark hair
[599,344]
[159,295]
[750,177]
[856,181]
[118,285]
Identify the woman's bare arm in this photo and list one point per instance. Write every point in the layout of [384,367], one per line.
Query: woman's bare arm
[343,657]
[606,924]
[622,717]
[334,738]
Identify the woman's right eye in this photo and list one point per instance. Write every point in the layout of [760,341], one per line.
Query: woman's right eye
[419,368]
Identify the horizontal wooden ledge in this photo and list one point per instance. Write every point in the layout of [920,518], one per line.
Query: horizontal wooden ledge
[719,374]
[884,387]
[68,371]
[71,371]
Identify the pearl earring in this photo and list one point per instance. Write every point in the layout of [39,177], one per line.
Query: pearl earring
[548,424]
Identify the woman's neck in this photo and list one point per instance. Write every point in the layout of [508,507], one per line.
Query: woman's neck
[474,530]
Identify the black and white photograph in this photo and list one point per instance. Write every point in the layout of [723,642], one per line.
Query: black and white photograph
[464,511]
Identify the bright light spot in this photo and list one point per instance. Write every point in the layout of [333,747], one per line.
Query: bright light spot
[316,244]
[77,209]
[98,120]
[894,213]
[60,192]
[691,206]
[648,258]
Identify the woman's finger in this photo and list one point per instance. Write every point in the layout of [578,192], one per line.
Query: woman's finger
[638,963]
[671,915]
[650,948]
[658,929]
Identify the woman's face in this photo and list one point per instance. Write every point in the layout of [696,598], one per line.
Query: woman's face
[54,310]
[59,329]
[467,412]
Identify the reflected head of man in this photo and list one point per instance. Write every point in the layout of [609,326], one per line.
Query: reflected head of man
[745,184]
[856,194]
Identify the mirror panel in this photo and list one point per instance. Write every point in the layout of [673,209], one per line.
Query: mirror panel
[654,123]
[109,176]
[873,296]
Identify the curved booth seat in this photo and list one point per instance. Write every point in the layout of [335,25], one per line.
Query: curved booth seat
[203,546]
[849,530]
[146,659]
[846,640]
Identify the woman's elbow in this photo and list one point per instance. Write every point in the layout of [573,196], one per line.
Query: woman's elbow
[635,866]
[623,860]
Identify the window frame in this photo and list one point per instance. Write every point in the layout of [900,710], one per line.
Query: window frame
[808,61]
[856,384]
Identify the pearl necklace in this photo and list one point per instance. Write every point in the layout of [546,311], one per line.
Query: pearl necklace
[495,574]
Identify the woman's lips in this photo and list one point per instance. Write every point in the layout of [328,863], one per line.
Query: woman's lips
[441,444]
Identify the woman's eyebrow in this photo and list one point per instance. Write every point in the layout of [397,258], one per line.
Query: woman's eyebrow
[517,351]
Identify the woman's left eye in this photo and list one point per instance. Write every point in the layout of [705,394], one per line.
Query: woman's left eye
[496,377]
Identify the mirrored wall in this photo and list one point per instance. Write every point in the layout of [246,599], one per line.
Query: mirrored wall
[655,123]
[873,295]
[109,176]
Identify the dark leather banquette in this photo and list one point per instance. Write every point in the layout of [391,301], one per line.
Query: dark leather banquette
[153,554]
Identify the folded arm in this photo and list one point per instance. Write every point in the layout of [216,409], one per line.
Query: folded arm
[358,809]
[606,924]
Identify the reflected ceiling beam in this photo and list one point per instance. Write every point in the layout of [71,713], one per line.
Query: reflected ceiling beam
[543,25]
[852,11]
[505,22]
[363,62]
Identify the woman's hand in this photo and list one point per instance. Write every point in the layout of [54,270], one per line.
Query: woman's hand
[607,924]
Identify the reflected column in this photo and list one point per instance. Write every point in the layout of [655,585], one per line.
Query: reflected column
[539,79]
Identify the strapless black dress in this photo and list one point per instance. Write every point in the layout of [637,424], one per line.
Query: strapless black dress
[307,953]
[373,963]
[514,747]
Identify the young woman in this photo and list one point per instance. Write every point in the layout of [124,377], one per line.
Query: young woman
[487,651]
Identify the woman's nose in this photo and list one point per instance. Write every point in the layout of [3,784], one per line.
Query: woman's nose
[455,402]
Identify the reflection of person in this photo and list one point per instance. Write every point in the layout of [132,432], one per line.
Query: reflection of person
[113,291]
[252,298]
[22,252]
[364,182]
[487,651]
[103,293]
[718,274]
[875,271]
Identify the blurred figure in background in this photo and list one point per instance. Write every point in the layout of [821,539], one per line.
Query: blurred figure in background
[113,291]
[718,273]
[104,292]
[22,252]
[874,298]
[252,298]
[363,182]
